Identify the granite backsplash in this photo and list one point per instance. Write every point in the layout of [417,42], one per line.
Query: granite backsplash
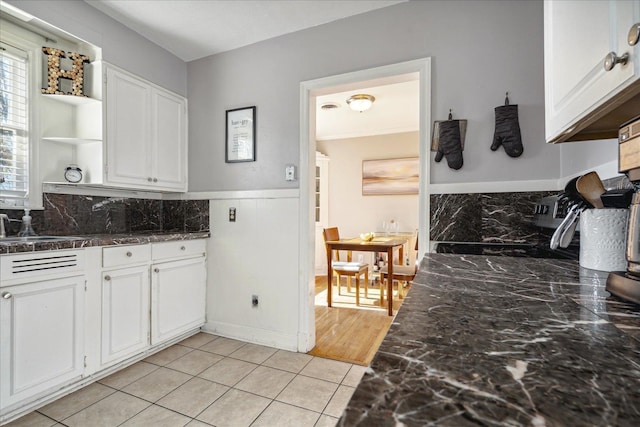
[487,217]
[66,214]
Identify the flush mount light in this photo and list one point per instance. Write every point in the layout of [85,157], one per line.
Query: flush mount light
[360,102]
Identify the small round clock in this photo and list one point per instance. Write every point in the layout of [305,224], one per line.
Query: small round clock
[73,174]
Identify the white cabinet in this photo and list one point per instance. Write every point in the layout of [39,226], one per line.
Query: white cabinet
[125,313]
[41,337]
[68,315]
[177,298]
[125,293]
[178,289]
[146,134]
[169,131]
[579,92]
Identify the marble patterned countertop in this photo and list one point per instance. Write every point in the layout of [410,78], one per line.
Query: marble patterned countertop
[503,341]
[78,242]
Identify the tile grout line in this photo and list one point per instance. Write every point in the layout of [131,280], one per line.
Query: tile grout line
[229,356]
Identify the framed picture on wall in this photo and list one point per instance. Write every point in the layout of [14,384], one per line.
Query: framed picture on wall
[390,176]
[240,135]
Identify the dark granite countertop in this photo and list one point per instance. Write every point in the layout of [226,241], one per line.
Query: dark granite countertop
[503,341]
[77,242]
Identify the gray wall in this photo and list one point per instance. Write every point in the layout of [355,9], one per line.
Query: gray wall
[479,50]
[120,45]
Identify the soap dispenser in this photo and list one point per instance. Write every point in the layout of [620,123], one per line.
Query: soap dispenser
[26,229]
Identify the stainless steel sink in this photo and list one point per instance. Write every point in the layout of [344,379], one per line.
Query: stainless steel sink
[37,239]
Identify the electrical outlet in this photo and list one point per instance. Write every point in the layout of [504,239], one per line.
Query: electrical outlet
[254,300]
[232,214]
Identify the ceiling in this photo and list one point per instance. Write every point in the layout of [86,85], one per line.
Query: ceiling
[395,110]
[193,29]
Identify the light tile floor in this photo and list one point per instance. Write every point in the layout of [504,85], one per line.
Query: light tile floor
[209,380]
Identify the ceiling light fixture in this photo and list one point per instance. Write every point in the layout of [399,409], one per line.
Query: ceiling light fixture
[360,102]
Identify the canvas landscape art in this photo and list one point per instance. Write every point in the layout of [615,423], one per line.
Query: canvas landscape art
[390,176]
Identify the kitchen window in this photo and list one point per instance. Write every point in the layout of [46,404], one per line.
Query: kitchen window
[20,59]
[14,125]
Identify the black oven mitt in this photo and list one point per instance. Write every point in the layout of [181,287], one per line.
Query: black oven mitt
[450,144]
[507,131]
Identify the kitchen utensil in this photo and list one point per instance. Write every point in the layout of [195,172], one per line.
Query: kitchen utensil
[572,194]
[590,188]
[567,234]
[555,238]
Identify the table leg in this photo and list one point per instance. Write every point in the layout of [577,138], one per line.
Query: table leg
[390,280]
[329,275]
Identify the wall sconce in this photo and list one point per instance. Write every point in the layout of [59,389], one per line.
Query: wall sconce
[360,102]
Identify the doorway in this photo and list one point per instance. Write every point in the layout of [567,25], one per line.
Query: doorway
[419,70]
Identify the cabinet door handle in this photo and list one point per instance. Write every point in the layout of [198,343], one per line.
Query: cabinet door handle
[156,270]
[182,248]
[634,34]
[129,254]
[155,179]
[149,179]
[612,59]
[107,277]
[7,295]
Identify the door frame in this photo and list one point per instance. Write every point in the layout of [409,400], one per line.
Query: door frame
[309,90]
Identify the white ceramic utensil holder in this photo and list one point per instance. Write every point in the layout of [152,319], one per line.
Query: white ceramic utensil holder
[603,239]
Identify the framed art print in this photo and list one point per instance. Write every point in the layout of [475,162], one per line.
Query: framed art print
[240,135]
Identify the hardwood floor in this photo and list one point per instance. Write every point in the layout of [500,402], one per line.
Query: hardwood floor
[348,332]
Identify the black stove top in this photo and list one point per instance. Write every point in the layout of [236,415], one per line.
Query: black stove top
[509,249]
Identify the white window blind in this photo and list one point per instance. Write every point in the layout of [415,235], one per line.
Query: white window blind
[14,126]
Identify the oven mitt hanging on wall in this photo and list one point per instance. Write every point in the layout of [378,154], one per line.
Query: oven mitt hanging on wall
[450,144]
[507,131]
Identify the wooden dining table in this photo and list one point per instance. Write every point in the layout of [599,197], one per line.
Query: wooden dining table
[378,244]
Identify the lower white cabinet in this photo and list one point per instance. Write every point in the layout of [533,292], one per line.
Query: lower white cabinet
[41,337]
[125,313]
[178,291]
[69,315]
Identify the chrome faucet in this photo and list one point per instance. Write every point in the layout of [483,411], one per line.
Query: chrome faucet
[3,234]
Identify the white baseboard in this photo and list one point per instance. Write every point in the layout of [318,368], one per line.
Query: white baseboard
[253,335]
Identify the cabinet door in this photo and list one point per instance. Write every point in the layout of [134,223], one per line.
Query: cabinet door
[41,337]
[128,130]
[577,37]
[170,137]
[177,298]
[125,313]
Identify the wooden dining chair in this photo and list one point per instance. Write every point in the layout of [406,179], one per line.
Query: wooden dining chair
[401,273]
[346,268]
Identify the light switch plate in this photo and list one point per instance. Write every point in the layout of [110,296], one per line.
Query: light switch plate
[290,173]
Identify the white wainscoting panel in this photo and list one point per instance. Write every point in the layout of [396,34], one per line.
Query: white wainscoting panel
[255,255]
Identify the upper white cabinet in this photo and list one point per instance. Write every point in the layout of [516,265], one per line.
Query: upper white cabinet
[146,134]
[584,98]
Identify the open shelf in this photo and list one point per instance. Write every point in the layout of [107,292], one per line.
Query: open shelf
[73,141]
[71,99]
